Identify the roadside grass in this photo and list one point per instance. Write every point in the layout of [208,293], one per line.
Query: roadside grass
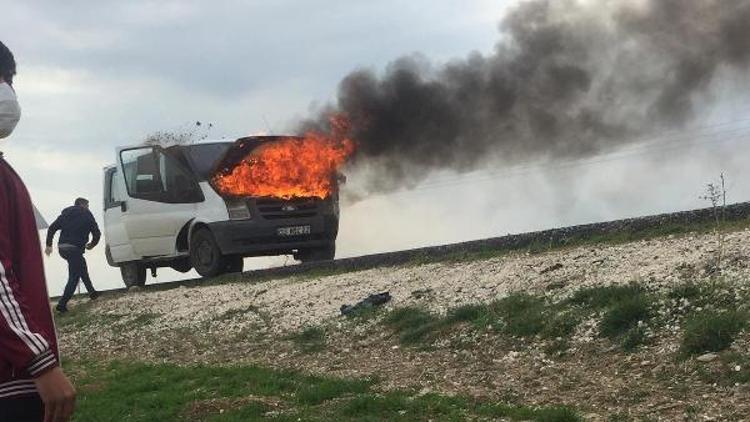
[414,325]
[81,317]
[526,316]
[711,331]
[365,313]
[518,315]
[603,296]
[149,392]
[624,315]
[309,339]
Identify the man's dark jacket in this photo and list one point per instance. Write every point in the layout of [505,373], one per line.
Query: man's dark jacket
[76,223]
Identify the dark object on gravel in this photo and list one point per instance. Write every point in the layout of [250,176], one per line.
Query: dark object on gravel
[419,294]
[367,303]
[551,268]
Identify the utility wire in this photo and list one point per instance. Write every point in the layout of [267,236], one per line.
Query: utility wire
[675,142]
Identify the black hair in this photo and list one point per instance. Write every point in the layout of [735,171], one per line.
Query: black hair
[81,202]
[7,64]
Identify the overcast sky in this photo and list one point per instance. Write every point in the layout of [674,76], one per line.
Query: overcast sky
[96,75]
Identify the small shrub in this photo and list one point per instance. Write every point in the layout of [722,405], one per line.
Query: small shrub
[624,315]
[364,314]
[409,317]
[556,414]
[633,338]
[711,331]
[412,324]
[561,326]
[420,333]
[557,347]
[688,290]
[603,296]
[521,314]
[467,313]
[310,339]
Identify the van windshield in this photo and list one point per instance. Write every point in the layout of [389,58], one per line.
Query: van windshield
[204,157]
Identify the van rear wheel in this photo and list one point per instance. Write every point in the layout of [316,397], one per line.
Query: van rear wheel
[235,264]
[205,254]
[133,274]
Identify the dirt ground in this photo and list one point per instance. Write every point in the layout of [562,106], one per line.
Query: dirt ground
[247,322]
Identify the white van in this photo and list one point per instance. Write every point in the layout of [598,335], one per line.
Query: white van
[161,210]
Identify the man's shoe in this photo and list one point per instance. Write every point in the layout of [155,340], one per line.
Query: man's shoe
[61,309]
[94,295]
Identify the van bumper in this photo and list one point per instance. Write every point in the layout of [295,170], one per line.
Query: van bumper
[260,237]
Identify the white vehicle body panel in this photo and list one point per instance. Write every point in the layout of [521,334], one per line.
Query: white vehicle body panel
[149,229]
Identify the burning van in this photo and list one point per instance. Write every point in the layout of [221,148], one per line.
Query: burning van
[209,205]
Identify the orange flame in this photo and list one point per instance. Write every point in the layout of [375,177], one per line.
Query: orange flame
[293,167]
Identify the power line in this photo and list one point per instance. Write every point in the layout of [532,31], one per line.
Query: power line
[731,134]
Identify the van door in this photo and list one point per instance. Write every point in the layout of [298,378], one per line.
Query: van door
[162,197]
[115,236]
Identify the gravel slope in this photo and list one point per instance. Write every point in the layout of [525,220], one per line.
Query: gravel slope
[301,300]
[250,322]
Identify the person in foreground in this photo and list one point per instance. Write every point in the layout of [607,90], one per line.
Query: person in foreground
[76,223]
[33,387]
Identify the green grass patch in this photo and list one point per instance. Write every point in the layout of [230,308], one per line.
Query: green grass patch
[128,392]
[310,339]
[624,315]
[602,296]
[633,338]
[413,325]
[711,331]
[467,313]
[688,290]
[142,392]
[520,314]
[538,414]
[80,317]
[561,325]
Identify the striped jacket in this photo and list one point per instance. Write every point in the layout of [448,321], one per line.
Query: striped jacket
[28,345]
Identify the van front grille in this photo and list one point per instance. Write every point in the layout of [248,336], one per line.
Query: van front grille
[279,209]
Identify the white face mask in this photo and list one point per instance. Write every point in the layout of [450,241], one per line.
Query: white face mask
[10,111]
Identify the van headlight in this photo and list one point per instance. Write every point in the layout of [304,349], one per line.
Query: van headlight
[238,209]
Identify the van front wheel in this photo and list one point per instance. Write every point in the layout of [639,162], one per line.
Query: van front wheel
[205,254]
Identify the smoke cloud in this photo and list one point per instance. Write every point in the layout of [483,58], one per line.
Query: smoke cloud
[567,79]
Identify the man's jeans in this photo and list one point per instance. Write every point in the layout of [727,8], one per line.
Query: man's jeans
[26,409]
[77,270]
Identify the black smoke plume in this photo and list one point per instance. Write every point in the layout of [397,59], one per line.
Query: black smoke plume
[567,79]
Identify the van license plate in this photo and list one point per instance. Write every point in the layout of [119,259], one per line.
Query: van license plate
[293,231]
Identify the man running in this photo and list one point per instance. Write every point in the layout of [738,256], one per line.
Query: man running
[76,223]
